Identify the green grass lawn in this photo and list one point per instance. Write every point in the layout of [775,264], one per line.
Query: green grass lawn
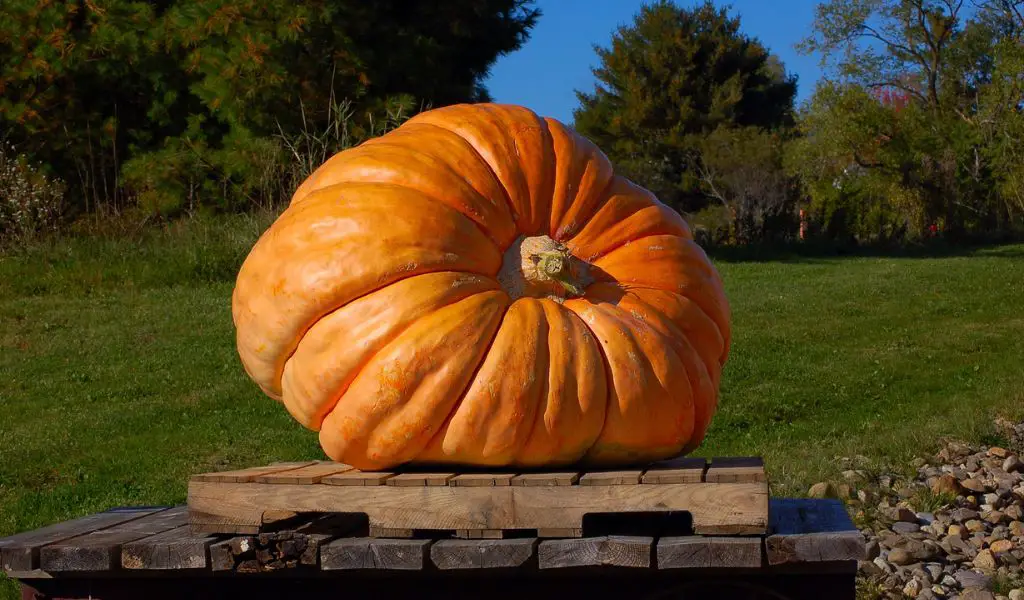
[119,378]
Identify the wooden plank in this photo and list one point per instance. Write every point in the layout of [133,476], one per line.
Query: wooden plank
[304,475]
[419,479]
[249,474]
[101,550]
[613,551]
[483,554]
[545,479]
[390,532]
[700,552]
[369,553]
[805,530]
[480,534]
[356,477]
[680,470]
[176,549]
[20,552]
[482,480]
[736,470]
[726,509]
[560,532]
[611,478]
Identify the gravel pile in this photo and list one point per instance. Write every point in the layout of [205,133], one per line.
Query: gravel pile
[955,530]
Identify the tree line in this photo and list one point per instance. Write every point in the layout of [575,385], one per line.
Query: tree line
[168,107]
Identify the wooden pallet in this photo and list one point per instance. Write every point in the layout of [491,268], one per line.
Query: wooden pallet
[723,496]
[806,535]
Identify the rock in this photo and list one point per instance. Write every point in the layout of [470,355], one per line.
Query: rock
[904,527]
[998,452]
[853,476]
[900,514]
[1017,529]
[899,556]
[934,571]
[976,485]
[977,595]
[994,517]
[961,515]
[957,531]
[820,490]
[986,561]
[869,568]
[912,589]
[1013,464]
[1001,546]
[1017,594]
[925,518]
[993,500]
[1014,512]
[972,579]
[872,550]
[884,566]
[866,496]
[974,525]
[949,581]
[946,484]
[844,491]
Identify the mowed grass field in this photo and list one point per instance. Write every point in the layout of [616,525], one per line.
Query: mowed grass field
[119,377]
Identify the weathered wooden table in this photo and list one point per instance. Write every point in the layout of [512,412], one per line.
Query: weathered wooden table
[804,549]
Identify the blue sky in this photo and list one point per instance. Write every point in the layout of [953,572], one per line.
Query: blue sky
[557,59]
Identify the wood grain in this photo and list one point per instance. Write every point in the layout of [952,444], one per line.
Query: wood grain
[176,549]
[249,474]
[804,530]
[699,552]
[101,550]
[482,479]
[679,470]
[736,470]
[611,478]
[483,554]
[613,551]
[419,479]
[309,474]
[356,477]
[545,479]
[740,508]
[369,553]
[20,552]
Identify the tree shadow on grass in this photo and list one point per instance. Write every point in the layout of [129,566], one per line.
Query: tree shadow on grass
[810,253]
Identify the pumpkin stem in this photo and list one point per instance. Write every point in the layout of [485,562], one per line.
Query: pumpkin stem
[558,267]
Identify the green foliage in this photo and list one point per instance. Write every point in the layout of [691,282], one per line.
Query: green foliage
[669,80]
[920,131]
[186,103]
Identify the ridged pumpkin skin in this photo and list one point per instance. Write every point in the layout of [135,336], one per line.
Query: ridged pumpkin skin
[380,310]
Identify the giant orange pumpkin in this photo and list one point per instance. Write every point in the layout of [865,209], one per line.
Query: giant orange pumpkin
[478,287]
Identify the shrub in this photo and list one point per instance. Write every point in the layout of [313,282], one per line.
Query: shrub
[30,202]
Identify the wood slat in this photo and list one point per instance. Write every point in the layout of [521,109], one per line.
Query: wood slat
[370,553]
[101,550]
[699,552]
[244,475]
[679,470]
[176,549]
[717,509]
[736,470]
[304,475]
[21,552]
[611,478]
[419,479]
[479,534]
[804,530]
[483,554]
[357,478]
[482,480]
[614,551]
[545,479]
[560,532]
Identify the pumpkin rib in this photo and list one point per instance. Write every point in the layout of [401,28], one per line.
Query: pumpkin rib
[439,448]
[448,287]
[284,271]
[499,132]
[407,379]
[504,192]
[633,408]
